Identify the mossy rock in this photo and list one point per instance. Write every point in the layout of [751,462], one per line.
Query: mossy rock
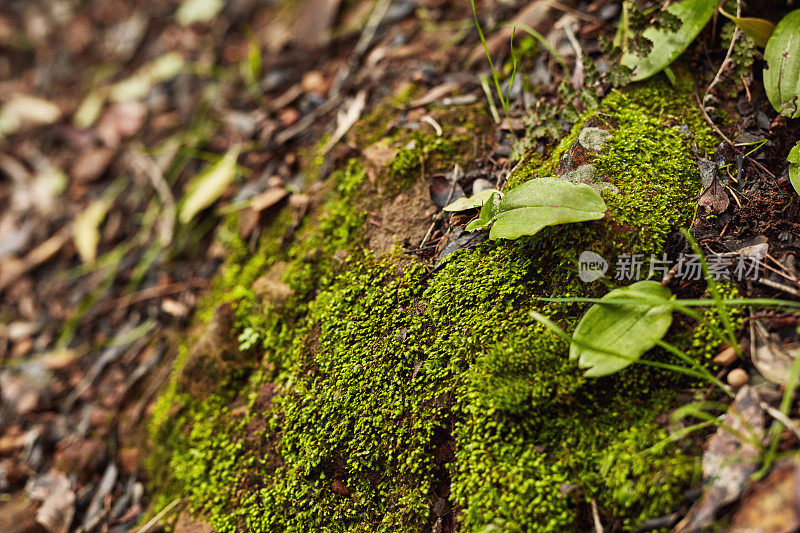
[401,399]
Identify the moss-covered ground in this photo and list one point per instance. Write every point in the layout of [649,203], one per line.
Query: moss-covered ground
[383,396]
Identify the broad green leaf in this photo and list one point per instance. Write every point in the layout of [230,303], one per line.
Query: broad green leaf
[794,167]
[545,202]
[782,75]
[627,330]
[668,45]
[757,29]
[209,185]
[488,213]
[473,202]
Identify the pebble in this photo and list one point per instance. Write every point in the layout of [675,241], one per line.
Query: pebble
[725,357]
[737,377]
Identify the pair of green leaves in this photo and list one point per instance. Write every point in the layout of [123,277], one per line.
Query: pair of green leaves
[532,206]
[611,336]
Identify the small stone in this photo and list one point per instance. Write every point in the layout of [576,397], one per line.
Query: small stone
[737,377]
[314,82]
[288,116]
[725,357]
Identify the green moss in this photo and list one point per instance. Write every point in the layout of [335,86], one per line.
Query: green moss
[394,388]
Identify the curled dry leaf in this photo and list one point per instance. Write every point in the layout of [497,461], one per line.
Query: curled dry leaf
[771,358]
[728,462]
[473,202]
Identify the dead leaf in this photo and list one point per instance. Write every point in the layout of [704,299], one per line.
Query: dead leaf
[12,269]
[91,163]
[86,229]
[434,94]
[313,23]
[773,504]
[728,462]
[54,490]
[770,356]
[346,117]
[714,199]
[23,109]
[268,198]
[192,11]
[209,185]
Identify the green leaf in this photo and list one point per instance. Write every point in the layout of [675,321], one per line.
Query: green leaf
[488,213]
[757,29]
[668,45]
[794,167]
[545,202]
[625,330]
[473,202]
[782,75]
[209,185]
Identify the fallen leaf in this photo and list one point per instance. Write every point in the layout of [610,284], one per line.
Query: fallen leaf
[24,109]
[55,492]
[209,185]
[772,358]
[346,117]
[268,198]
[86,229]
[473,202]
[91,163]
[444,191]
[771,505]
[192,11]
[728,462]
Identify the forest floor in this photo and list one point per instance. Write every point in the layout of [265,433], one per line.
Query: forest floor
[113,228]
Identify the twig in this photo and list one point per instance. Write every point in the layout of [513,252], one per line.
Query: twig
[153,521]
[148,167]
[782,418]
[734,38]
[439,214]
[156,292]
[725,137]
[598,525]
[780,287]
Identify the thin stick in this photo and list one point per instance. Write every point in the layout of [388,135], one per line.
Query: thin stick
[725,137]
[724,64]
[153,521]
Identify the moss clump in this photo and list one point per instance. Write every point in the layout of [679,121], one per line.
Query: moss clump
[392,389]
